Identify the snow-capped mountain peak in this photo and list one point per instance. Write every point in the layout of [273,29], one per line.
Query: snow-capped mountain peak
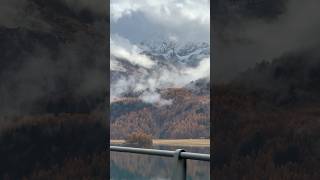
[188,54]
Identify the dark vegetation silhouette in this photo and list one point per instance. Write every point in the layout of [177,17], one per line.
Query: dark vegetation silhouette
[67,146]
[267,121]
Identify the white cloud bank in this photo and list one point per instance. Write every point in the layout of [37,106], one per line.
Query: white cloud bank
[164,11]
[188,20]
[122,49]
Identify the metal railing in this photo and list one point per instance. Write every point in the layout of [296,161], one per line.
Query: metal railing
[179,171]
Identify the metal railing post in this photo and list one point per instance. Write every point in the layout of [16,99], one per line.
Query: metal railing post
[179,166]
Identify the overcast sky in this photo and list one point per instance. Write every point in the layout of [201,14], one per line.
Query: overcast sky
[139,20]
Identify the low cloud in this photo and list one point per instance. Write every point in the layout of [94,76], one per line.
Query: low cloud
[167,11]
[122,49]
[154,98]
[43,67]
[160,77]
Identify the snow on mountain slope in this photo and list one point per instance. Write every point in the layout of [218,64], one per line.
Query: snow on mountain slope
[172,65]
[187,54]
[163,54]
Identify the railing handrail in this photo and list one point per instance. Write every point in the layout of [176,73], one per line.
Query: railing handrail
[165,153]
[179,169]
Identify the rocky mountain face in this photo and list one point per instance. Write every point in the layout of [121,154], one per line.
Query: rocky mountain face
[188,54]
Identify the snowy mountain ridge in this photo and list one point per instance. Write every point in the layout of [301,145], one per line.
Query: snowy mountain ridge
[167,53]
[174,66]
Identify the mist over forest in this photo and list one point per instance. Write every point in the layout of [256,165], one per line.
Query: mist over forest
[53,74]
[266,89]
[53,56]
[249,32]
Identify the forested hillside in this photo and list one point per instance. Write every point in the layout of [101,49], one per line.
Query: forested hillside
[188,116]
[267,120]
